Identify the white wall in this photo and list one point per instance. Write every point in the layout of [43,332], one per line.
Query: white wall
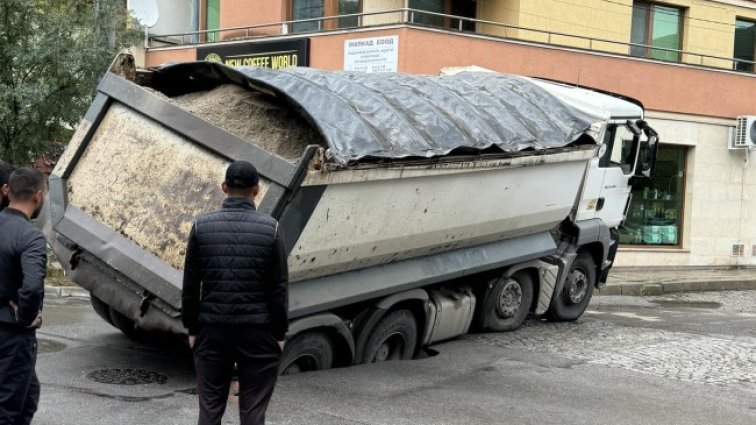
[175,17]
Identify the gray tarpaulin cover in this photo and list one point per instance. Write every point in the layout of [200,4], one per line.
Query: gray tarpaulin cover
[391,115]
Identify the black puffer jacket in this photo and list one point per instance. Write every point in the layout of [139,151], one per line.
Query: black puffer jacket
[235,270]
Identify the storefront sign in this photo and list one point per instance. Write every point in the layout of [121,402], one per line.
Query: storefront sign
[376,54]
[271,54]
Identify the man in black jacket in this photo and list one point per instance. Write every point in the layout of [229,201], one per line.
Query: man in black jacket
[23,264]
[235,300]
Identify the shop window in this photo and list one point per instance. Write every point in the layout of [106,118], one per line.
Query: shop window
[313,9]
[656,210]
[745,44]
[212,19]
[657,26]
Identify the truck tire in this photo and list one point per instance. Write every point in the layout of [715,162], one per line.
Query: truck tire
[393,338]
[571,302]
[101,309]
[305,353]
[127,326]
[506,303]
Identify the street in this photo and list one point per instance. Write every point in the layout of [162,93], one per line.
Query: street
[677,359]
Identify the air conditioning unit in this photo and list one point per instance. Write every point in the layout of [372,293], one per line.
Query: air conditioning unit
[745,133]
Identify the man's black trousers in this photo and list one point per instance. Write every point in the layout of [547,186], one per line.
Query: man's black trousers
[19,387]
[256,354]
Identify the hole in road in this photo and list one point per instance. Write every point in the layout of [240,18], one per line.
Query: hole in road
[425,353]
[688,304]
[46,346]
[126,377]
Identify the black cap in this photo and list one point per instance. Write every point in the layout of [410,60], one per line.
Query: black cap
[241,175]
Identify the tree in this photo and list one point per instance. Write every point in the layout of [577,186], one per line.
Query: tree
[52,54]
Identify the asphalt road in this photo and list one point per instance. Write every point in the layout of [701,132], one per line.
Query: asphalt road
[684,359]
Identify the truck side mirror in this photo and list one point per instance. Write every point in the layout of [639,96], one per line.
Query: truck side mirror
[633,127]
[647,159]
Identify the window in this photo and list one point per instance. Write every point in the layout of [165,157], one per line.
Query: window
[656,26]
[463,8]
[307,9]
[655,214]
[212,19]
[620,149]
[348,7]
[436,6]
[313,9]
[745,38]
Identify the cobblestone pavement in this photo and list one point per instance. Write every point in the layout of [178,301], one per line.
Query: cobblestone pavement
[651,344]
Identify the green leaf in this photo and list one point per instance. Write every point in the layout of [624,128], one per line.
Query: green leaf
[52,54]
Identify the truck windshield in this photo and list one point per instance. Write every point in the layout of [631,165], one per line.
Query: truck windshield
[621,144]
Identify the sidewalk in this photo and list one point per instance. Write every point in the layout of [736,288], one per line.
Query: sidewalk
[65,292]
[652,281]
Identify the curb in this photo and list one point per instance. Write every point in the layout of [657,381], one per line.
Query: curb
[66,292]
[643,289]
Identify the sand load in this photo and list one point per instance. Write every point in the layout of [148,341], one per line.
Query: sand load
[255,117]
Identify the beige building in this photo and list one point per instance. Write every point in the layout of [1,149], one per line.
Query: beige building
[691,62]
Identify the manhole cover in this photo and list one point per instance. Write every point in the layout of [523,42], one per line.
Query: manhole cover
[46,346]
[126,376]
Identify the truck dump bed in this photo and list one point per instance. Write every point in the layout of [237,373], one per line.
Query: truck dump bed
[370,175]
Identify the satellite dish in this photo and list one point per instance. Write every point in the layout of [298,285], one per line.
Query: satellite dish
[145,11]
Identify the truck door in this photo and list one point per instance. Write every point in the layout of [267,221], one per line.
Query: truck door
[618,162]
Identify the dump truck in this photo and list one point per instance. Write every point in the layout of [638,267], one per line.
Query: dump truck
[415,208]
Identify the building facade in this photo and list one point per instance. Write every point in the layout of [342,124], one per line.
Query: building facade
[691,63]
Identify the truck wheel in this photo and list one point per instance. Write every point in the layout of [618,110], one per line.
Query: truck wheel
[100,308]
[506,303]
[393,338]
[127,326]
[572,301]
[307,352]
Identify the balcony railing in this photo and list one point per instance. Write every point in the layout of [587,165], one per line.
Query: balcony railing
[426,19]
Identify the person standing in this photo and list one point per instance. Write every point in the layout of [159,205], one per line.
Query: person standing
[5,172]
[23,264]
[235,300]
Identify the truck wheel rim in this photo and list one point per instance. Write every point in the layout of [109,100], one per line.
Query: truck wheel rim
[577,287]
[391,349]
[510,299]
[302,363]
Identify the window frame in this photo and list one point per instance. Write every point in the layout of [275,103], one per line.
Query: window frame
[752,67]
[330,10]
[648,35]
[447,6]
[613,146]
